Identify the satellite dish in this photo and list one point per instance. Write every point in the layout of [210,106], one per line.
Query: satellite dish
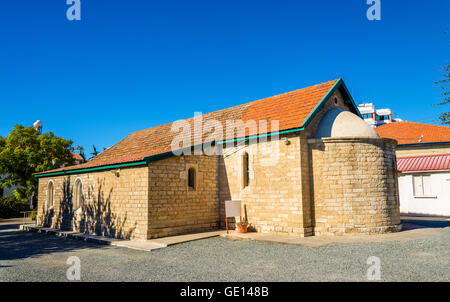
[38,125]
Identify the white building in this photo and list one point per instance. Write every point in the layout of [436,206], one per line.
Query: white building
[376,117]
[424,184]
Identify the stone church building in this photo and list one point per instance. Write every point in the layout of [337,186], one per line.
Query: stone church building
[308,166]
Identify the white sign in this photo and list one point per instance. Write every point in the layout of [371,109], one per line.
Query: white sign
[232,208]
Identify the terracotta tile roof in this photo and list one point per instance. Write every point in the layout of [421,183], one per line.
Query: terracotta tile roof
[291,109]
[433,162]
[410,133]
[76,156]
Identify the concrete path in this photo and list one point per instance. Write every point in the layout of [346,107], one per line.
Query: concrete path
[16,221]
[146,245]
[413,228]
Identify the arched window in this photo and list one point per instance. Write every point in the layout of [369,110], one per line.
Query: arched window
[192,178]
[50,194]
[77,194]
[246,169]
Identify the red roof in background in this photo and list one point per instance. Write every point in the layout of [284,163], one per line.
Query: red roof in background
[76,156]
[290,109]
[433,162]
[410,133]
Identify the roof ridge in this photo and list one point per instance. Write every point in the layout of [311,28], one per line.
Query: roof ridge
[243,104]
[404,122]
[296,90]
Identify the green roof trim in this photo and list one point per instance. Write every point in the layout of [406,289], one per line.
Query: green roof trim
[352,101]
[261,135]
[108,167]
[164,155]
[423,144]
[339,84]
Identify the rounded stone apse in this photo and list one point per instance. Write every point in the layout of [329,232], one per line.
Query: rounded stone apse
[354,177]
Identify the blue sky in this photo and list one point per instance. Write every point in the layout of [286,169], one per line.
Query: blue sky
[131,65]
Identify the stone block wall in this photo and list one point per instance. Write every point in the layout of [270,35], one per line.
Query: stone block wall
[355,186]
[174,208]
[297,186]
[274,195]
[114,205]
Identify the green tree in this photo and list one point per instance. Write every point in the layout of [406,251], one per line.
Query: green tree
[445,93]
[25,152]
[81,152]
[444,90]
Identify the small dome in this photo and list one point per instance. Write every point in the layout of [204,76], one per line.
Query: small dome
[339,123]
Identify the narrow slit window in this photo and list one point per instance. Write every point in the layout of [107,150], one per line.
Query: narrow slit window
[78,195]
[246,170]
[191,178]
[50,194]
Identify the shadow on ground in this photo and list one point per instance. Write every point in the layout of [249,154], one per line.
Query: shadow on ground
[16,244]
[415,222]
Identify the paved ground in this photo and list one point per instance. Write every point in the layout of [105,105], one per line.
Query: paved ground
[37,257]
[144,245]
[412,229]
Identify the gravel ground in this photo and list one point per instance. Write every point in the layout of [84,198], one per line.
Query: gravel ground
[37,257]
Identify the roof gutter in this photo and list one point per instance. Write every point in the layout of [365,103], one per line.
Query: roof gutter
[423,144]
[108,167]
[423,171]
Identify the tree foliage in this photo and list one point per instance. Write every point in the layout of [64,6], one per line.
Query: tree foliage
[81,152]
[94,152]
[25,152]
[444,87]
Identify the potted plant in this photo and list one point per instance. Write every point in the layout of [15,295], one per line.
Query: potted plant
[242,225]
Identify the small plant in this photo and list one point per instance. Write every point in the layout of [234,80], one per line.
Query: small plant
[33,216]
[242,225]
